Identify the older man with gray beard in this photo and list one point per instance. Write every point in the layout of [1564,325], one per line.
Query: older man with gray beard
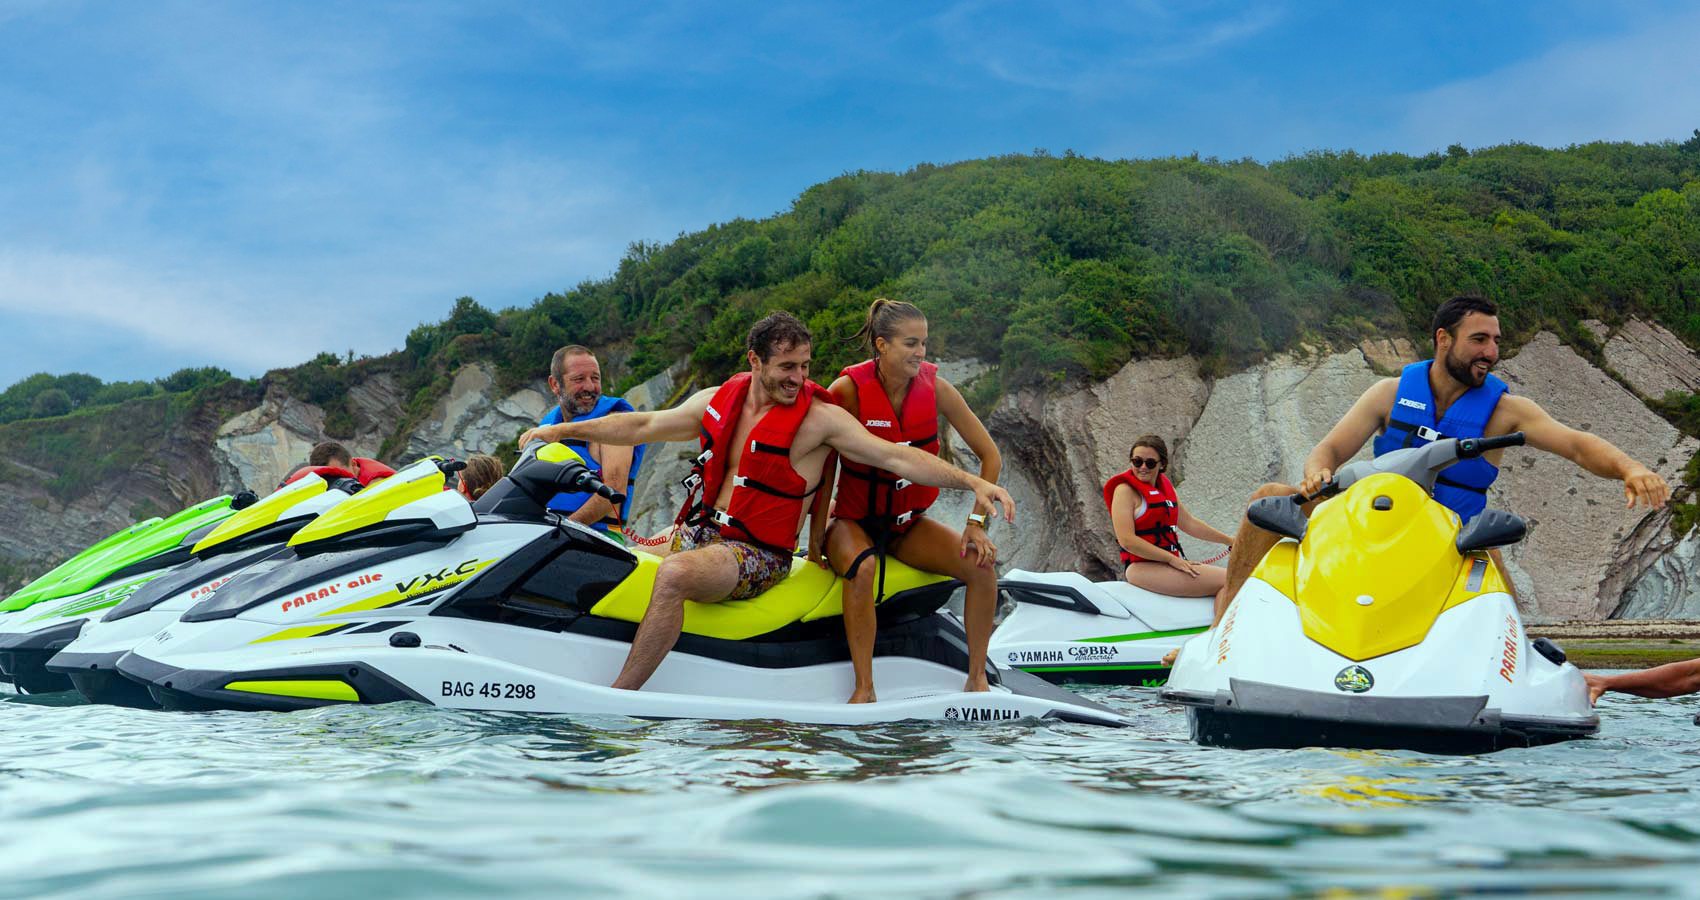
[575,378]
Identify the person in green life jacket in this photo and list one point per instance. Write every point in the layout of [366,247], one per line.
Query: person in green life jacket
[575,378]
[1453,395]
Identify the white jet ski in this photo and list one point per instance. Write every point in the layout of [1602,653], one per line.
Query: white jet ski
[251,540]
[405,592]
[1065,628]
[1380,623]
[30,635]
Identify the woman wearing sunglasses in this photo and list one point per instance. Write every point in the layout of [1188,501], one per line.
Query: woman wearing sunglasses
[1146,512]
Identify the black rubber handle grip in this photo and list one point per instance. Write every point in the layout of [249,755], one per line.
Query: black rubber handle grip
[1470,448]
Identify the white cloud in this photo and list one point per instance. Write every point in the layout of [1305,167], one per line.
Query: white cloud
[1637,87]
[1094,49]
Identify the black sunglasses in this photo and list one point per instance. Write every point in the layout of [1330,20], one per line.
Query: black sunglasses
[1139,463]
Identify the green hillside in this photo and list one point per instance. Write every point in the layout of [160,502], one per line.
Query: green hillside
[1064,268]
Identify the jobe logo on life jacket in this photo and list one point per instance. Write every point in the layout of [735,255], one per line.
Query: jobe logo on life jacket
[878,423]
[1414,404]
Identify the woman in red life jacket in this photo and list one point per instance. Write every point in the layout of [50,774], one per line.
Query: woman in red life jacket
[898,395]
[1145,513]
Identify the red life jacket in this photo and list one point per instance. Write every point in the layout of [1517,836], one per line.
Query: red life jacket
[766,506]
[370,470]
[1162,510]
[328,473]
[874,497]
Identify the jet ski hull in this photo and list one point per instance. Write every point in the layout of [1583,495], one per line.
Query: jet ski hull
[1066,629]
[1256,681]
[24,657]
[919,674]
[1282,718]
[96,677]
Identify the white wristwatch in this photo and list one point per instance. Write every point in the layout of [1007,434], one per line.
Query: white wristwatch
[977,519]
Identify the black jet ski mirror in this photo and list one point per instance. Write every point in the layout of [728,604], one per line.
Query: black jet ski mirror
[1491,528]
[535,479]
[1282,515]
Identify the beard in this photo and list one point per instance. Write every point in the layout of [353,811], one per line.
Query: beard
[1464,370]
[577,404]
[777,391]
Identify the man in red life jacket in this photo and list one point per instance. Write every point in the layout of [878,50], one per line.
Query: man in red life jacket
[336,456]
[766,436]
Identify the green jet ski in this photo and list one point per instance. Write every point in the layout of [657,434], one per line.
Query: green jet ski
[35,624]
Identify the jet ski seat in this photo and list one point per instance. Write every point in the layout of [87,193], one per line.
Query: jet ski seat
[807,594]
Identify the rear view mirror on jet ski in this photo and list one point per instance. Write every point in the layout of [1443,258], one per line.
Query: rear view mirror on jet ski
[1493,528]
[1281,515]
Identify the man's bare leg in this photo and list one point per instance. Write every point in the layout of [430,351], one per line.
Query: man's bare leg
[933,547]
[845,541]
[706,575]
[1251,543]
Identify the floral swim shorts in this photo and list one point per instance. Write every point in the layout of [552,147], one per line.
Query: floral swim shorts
[758,567]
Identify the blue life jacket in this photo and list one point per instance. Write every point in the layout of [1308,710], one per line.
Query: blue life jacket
[1462,487]
[568,503]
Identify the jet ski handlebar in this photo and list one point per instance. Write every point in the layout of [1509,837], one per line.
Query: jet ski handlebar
[1461,448]
[1470,448]
[576,477]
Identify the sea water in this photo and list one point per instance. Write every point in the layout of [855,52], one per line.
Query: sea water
[414,801]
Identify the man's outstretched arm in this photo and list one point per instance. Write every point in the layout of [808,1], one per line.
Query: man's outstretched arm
[681,423]
[844,434]
[1591,452]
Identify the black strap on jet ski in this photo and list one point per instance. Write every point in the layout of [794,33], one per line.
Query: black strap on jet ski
[1442,479]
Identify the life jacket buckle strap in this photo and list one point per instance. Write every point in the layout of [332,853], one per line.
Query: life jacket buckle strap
[692,482]
[1426,433]
[722,517]
[704,457]
[901,484]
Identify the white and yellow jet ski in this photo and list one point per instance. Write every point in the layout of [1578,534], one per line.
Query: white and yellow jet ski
[1380,623]
[251,541]
[405,592]
[1065,628]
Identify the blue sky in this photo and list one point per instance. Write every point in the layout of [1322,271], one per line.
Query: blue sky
[247,184]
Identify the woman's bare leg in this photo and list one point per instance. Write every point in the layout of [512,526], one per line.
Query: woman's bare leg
[1165,579]
[934,547]
[845,540]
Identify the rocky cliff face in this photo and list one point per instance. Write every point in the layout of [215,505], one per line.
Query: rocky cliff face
[1585,557]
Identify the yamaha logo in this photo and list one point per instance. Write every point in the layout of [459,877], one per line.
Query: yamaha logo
[1354,680]
[951,713]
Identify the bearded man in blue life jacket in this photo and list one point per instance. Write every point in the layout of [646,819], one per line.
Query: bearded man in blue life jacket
[765,435]
[1452,395]
[575,378]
